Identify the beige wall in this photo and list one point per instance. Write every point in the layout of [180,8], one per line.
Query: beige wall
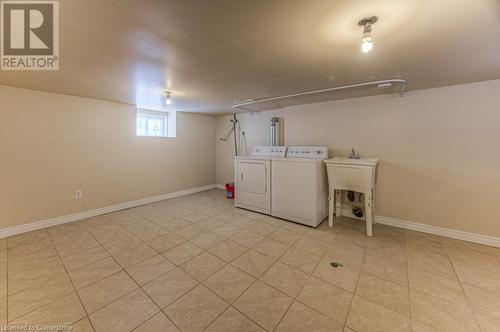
[52,145]
[440,163]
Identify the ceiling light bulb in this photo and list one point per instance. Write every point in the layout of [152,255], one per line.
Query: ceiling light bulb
[169,98]
[367,43]
[367,40]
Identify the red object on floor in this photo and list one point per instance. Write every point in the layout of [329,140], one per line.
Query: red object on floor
[230,190]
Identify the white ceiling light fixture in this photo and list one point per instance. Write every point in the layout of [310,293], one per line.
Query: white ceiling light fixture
[168,99]
[367,40]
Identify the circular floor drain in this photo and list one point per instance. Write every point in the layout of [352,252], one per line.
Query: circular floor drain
[335,264]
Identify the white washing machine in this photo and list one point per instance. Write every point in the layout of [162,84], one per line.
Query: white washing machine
[252,178]
[299,185]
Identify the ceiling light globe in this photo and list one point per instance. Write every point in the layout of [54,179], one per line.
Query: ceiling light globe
[366,43]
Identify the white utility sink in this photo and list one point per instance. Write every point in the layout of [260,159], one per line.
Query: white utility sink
[359,175]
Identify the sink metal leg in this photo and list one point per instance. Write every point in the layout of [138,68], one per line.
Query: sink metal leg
[374,220]
[369,213]
[331,199]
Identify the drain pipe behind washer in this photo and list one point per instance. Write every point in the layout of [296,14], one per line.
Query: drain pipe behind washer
[274,131]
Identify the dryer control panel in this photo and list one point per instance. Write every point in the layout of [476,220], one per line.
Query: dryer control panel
[307,152]
[269,151]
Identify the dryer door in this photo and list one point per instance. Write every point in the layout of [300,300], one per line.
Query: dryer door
[252,180]
[252,177]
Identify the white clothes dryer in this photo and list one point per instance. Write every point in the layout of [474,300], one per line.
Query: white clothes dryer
[252,178]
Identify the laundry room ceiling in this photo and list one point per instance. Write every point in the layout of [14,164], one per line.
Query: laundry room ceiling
[213,53]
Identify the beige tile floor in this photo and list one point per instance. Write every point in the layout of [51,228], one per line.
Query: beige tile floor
[197,264]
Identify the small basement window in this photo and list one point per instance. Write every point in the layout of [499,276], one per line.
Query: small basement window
[151,123]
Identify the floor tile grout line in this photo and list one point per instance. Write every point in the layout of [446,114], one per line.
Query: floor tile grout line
[469,306]
[284,314]
[211,274]
[24,242]
[74,288]
[173,232]
[99,244]
[295,299]
[447,277]
[275,260]
[212,322]
[229,262]
[93,282]
[67,273]
[466,307]
[311,275]
[41,282]
[232,302]
[335,285]
[253,283]
[388,280]
[176,265]
[464,293]
[286,251]
[151,318]
[32,286]
[139,287]
[205,233]
[157,252]
[162,310]
[140,239]
[319,312]
[354,291]
[7,282]
[189,291]
[409,285]
[86,265]
[159,306]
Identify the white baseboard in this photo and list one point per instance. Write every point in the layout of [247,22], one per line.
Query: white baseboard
[9,231]
[429,229]
[441,231]
[220,186]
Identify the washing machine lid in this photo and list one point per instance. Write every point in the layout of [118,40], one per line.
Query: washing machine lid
[307,152]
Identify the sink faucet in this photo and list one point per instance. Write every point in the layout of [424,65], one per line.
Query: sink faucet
[353,155]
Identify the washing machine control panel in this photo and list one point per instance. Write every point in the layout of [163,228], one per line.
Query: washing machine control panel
[307,152]
[269,151]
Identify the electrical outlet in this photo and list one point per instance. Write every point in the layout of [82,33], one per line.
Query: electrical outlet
[78,195]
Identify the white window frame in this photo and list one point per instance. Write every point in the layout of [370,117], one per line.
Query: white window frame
[146,114]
